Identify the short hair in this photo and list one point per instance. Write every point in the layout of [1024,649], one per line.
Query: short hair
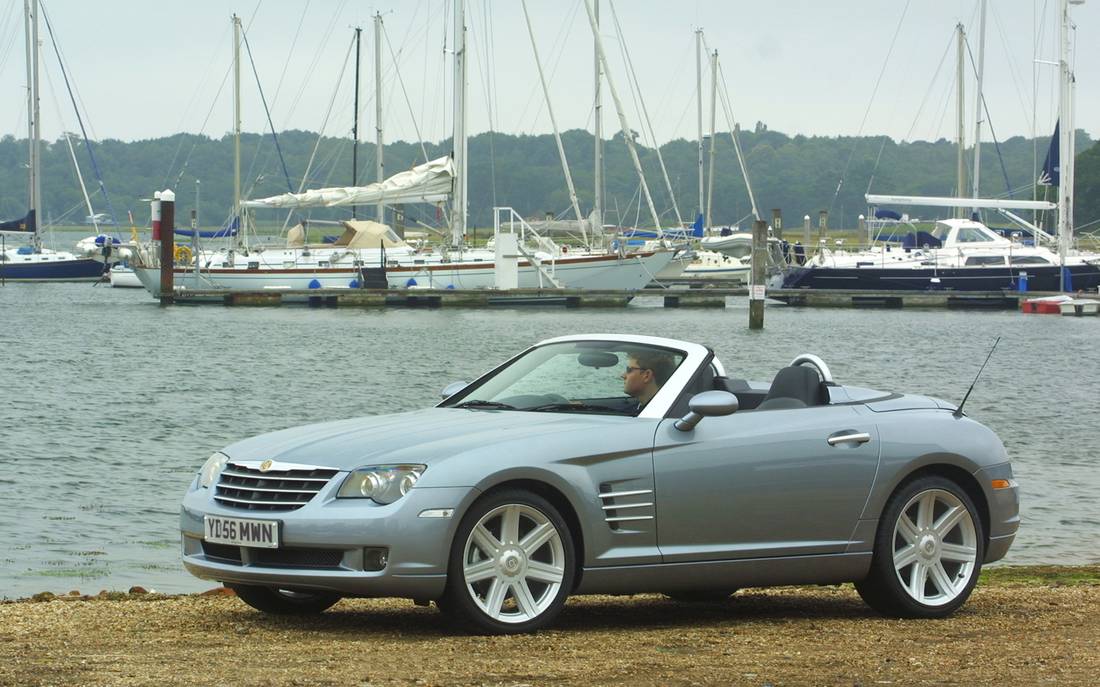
[660,363]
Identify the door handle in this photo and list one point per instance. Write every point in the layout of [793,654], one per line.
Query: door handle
[855,437]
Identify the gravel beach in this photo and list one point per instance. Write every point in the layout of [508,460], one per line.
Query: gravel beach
[1021,626]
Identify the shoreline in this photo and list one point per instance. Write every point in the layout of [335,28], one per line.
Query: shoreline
[1040,574]
[1022,625]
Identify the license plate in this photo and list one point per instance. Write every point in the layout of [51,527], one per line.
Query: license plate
[263,534]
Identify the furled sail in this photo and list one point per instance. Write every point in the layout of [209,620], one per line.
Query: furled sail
[22,225]
[427,183]
[1051,172]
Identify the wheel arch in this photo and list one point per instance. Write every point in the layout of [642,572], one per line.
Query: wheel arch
[560,501]
[964,479]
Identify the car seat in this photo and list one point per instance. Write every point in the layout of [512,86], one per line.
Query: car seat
[795,387]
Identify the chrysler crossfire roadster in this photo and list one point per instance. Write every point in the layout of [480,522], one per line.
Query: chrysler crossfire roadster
[610,464]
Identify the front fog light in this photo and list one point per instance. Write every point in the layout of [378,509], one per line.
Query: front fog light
[211,468]
[375,559]
[381,483]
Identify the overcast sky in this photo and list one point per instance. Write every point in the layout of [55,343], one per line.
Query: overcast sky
[148,68]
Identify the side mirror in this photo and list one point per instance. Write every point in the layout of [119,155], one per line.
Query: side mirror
[707,404]
[452,389]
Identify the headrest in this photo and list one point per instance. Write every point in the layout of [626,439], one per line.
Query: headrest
[797,382]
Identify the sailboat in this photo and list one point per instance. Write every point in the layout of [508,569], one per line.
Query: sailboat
[963,254]
[31,261]
[368,246]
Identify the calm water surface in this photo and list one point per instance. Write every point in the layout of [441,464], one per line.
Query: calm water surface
[110,403]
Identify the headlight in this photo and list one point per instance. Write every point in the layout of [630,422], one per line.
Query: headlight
[380,483]
[210,469]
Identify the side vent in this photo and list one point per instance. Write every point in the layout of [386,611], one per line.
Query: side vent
[625,506]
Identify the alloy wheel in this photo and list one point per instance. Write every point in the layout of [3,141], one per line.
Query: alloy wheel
[513,563]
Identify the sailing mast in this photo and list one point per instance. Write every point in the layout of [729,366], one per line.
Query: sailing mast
[380,169]
[458,139]
[960,128]
[713,104]
[597,131]
[979,106]
[627,138]
[355,120]
[34,186]
[699,109]
[554,123]
[236,129]
[1066,143]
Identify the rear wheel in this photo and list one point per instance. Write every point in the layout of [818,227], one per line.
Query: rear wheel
[285,601]
[511,566]
[928,551]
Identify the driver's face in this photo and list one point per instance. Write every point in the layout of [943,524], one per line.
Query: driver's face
[635,379]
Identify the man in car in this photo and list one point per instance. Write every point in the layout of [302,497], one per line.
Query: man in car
[645,372]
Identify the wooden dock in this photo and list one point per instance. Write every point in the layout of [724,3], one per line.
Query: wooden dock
[683,296]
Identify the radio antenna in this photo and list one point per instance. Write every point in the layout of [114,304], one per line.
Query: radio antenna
[959,411]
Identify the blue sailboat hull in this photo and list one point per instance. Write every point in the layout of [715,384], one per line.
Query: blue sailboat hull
[81,269]
[1038,278]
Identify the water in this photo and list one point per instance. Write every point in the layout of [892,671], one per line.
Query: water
[111,403]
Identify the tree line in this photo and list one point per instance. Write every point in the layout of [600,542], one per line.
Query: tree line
[801,175]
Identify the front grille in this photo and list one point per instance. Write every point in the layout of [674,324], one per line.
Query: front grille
[318,559]
[298,558]
[249,488]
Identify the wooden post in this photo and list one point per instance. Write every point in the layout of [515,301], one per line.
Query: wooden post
[167,247]
[759,260]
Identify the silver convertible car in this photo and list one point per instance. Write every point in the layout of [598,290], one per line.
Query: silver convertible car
[610,464]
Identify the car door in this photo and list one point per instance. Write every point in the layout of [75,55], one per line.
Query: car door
[763,483]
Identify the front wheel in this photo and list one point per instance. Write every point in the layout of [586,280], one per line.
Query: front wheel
[511,566]
[928,551]
[284,601]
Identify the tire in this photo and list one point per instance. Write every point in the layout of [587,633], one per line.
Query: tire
[511,565]
[701,596]
[927,553]
[284,601]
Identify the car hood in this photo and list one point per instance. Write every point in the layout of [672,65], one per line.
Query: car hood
[422,436]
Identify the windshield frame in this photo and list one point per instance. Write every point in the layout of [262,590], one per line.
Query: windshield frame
[694,356]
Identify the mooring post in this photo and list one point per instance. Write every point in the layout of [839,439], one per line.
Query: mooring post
[864,227]
[806,232]
[777,223]
[166,231]
[759,260]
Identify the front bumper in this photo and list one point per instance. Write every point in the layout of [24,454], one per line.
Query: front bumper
[1004,510]
[322,543]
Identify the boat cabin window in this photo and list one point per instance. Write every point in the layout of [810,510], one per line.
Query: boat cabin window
[972,235]
[1028,260]
[985,260]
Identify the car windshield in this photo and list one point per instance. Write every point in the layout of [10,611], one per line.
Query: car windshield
[609,377]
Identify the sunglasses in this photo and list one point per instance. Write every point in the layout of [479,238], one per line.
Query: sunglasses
[631,368]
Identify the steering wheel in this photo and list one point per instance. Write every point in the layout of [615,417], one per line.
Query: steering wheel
[555,398]
[822,368]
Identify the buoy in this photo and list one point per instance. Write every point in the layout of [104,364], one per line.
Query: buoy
[410,282]
[315,284]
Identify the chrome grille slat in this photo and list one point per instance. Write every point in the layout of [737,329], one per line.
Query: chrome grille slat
[243,487]
[267,489]
[612,505]
[621,506]
[282,474]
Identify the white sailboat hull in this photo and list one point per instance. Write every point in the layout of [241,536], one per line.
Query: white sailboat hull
[612,272]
